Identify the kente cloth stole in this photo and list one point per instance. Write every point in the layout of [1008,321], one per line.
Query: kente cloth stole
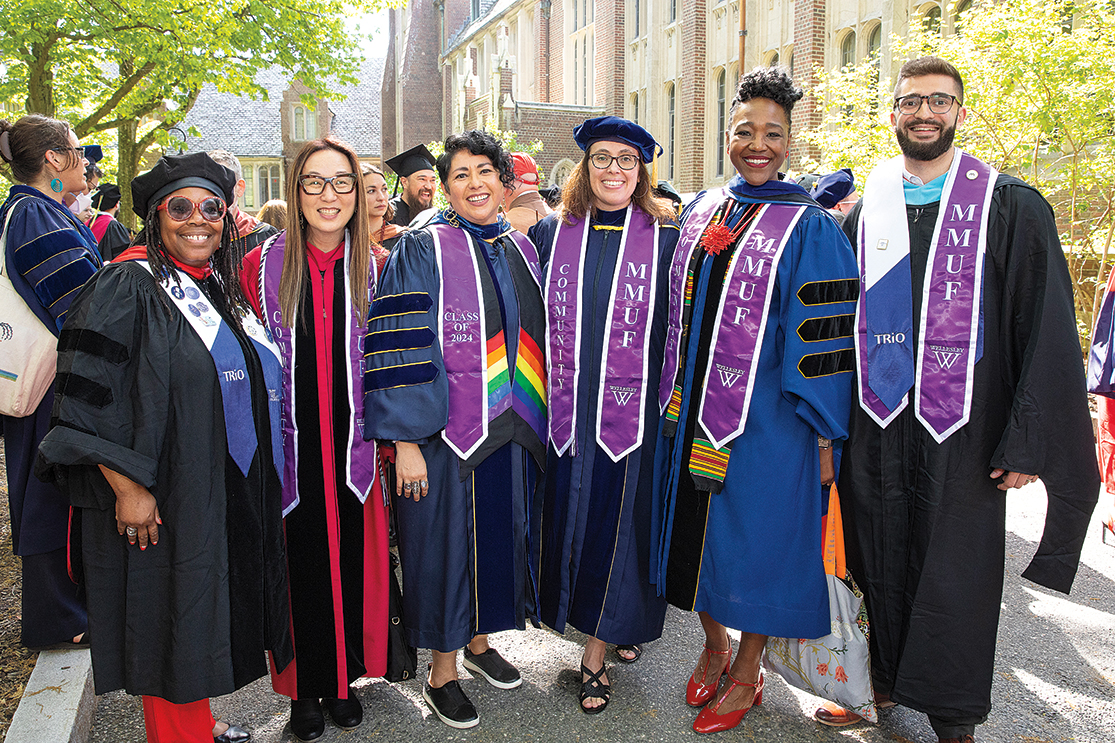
[624,356]
[360,461]
[481,386]
[232,372]
[943,365]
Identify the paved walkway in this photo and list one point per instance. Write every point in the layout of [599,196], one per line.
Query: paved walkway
[1055,680]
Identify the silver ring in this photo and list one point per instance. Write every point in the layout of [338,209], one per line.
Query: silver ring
[131,531]
[425,484]
[407,487]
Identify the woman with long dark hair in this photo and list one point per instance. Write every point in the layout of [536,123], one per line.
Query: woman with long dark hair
[455,378]
[49,255]
[312,285]
[605,290]
[380,212]
[167,438]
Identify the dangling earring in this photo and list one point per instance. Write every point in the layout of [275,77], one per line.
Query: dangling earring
[56,185]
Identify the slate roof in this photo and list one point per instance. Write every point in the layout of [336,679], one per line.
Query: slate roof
[253,128]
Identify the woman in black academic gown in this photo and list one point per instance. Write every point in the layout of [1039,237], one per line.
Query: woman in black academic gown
[166,436]
[606,299]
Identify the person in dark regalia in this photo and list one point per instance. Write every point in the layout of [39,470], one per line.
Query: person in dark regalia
[755,385]
[312,285]
[970,383]
[456,376]
[166,436]
[48,255]
[415,169]
[113,237]
[605,289]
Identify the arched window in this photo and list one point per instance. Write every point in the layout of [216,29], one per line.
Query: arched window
[961,8]
[875,42]
[670,108]
[561,172]
[635,108]
[848,50]
[721,119]
[790,64]
[931,21]
[304,124]
[773,59]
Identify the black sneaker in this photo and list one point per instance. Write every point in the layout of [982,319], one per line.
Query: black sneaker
[491,665]
[451,705]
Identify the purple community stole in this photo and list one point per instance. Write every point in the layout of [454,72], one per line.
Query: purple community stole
[948,347]
[624,356]
[737,336]
[475,370]
[360,464]
[689,240]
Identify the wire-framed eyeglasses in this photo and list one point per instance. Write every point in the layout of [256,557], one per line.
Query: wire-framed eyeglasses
[939,103]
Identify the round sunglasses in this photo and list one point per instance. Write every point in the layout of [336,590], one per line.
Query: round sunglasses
[179,208]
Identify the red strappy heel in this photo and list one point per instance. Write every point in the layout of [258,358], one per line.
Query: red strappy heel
[697,693]
[711,722]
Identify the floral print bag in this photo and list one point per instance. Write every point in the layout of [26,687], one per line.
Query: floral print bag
[836,667]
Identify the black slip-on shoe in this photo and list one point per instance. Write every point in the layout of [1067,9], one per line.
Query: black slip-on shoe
[306,719]
[451,705]
[347,713]
[234,734]
[491,665]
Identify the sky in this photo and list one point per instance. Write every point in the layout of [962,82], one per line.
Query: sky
[375,26]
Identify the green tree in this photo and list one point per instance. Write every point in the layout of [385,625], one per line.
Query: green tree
[1040,92]
[136,67]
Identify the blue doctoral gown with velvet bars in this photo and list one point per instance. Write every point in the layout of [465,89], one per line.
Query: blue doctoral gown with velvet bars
[463,548]
[594,545]
[750,555]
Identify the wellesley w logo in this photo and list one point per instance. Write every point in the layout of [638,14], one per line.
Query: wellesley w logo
[946,355]
[728,376]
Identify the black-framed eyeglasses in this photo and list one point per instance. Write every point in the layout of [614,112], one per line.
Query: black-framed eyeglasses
[179,208]
[312,185]
[80,150]
[603,161]
[939,103]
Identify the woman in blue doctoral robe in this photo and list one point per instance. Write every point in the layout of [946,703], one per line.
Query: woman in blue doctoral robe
[605,289]
[49,255]
[757,376]
[455,377]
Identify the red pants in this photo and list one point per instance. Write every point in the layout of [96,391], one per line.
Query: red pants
[177,723]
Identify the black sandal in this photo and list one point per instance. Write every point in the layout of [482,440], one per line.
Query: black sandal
[594,688]
[636,649]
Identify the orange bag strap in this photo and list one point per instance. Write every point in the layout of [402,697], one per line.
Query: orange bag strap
[834,537]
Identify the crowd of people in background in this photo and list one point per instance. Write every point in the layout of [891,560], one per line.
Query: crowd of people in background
[571,408]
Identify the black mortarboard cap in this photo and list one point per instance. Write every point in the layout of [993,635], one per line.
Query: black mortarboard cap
[622,130]
[173,172]
[106,196]
[666,190]
[407,163]
[93,153]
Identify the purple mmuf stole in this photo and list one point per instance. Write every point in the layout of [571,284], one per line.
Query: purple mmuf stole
[942,366]
[361,455]
[624,355]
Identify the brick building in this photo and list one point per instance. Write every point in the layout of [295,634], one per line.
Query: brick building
[267,135]
[539,67]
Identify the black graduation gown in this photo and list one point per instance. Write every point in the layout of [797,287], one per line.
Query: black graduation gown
[924,523]
[594,515]
[190,617]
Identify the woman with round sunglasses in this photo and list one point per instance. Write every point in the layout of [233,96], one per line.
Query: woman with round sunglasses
[455,379]
[167,438]
[312,284]
[49,255]
[605,290]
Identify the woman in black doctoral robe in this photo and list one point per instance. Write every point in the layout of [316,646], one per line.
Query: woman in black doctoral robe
[166,436]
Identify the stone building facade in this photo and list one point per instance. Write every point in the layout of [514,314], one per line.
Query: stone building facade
[539,67]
